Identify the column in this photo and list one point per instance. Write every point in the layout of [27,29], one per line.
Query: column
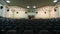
[4,11]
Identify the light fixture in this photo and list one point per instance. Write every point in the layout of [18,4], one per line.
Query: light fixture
[34,6]
[28,6]
[7,1]
[55,1]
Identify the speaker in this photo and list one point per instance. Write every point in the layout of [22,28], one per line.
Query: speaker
[45,12]
[36,12]
[55,10]
[25,12]
[17,12]
[7,10]
[1,7]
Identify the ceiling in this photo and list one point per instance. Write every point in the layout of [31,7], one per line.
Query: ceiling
[38,3]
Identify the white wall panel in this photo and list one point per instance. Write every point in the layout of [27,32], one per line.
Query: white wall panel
[50,13]
[13,12]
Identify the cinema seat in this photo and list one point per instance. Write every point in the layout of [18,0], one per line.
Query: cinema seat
[44,32]
[57,31]
[28,32]
[11,32]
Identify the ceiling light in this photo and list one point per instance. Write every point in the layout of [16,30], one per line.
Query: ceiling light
[8,1]
[34,6]
[28,6]
[55,1]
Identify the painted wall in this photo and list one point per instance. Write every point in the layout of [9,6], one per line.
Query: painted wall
[50,13]
[58,8]
[49,10]
[0,10]
[12,13]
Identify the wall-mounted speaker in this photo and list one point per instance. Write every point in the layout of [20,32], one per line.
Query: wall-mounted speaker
[1,7]
[45,12]
[25,12]
[36,12]
[7,10]
[17,12]
[55,10]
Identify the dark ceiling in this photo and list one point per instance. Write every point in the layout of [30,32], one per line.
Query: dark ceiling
[38,3]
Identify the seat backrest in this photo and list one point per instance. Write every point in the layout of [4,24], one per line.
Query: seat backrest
[28,32]
[11,32]
[44,32]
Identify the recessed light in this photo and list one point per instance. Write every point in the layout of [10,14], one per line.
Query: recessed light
[28,6]
[55,1]
[8,1]
[34,6]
